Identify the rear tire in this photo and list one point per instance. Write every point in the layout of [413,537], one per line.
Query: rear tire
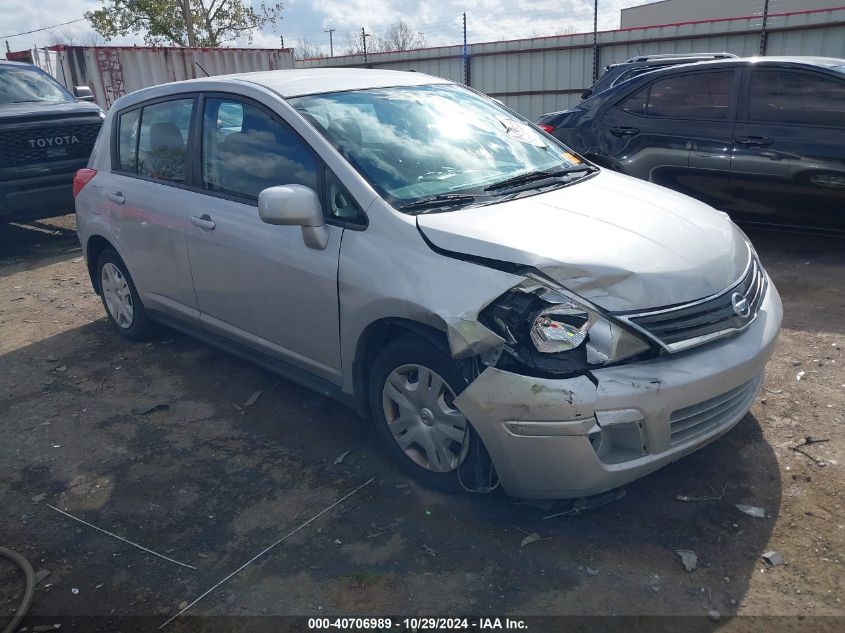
[412,388]
[120,298]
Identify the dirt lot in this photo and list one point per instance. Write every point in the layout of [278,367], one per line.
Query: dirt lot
[212,482]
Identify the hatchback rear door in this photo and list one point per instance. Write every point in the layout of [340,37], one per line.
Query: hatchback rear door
[146,198]
[788,164]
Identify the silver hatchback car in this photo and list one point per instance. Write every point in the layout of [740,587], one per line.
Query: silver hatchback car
[505,311]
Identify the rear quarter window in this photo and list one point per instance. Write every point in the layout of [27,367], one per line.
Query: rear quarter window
[801,98]
[127,140]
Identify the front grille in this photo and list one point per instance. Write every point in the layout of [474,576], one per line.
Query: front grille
[695,323]
[21,145]
[687,423]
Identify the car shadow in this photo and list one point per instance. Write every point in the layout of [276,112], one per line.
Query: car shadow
[170,445]
[39,242]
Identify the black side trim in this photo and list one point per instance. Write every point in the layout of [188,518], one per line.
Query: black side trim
[281,368]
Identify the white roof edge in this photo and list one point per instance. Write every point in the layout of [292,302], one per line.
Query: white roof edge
[290,83]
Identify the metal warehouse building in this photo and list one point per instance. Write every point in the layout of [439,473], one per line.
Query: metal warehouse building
[674,11]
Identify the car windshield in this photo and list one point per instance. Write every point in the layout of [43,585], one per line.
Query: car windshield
[25,84]
[415,143]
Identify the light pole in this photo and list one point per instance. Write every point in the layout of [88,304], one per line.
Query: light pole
[331,43]
[364,36]
[763,34]
[595,41]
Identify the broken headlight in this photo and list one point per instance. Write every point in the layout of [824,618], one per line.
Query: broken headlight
[560,328]
[550,331]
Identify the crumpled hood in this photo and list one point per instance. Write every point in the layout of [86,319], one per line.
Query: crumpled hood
[622,243]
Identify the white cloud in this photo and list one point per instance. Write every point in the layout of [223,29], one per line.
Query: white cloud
[439,21]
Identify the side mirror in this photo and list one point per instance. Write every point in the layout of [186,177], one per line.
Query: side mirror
[295,205]
[586,94]
[83,93]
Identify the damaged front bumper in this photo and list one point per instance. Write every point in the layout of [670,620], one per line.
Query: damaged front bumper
[555,439]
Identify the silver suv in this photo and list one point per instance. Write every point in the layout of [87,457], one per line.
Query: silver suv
[503,310]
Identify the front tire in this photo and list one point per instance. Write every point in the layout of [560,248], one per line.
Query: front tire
[120,298]
[413,386]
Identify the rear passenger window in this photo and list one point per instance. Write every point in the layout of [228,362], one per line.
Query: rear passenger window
[163,138]
[795,97]
[245,150]
[127,145]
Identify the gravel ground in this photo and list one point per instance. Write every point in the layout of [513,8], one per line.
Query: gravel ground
[210,482]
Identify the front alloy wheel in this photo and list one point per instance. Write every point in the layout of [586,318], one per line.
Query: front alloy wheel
[419,409]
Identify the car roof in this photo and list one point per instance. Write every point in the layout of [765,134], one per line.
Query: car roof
[300,82]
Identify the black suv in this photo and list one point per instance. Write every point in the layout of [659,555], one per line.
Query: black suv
[622,71]
[46,134]
[761,138]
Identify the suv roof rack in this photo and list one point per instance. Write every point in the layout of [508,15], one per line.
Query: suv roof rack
[702,56]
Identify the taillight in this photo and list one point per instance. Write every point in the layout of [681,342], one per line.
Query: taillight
[82,178]
[547,128]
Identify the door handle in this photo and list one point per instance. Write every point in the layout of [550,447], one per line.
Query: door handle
[116,196]
[203,221]
[755,141]
[624,131]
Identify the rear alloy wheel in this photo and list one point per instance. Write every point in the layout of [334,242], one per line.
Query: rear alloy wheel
[412,394]
[117,296]
[120,298]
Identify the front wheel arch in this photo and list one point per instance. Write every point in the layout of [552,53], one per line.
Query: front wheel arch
[374,338]
[475,471]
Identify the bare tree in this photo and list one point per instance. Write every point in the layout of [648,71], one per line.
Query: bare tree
[69,37]
[399,36]
[307,50]
[354,44]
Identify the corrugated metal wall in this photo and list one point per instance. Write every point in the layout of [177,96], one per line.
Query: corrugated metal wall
[113,71]
[539,75]
[663,11]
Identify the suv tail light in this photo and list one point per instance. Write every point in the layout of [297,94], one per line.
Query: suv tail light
[82,178]
[547,128]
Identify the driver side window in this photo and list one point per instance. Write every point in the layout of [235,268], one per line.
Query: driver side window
[245,150]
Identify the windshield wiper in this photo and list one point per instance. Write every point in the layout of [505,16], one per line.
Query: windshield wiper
[532,176]
[440,200]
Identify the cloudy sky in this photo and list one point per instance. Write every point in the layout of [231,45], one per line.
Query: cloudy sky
[438,20]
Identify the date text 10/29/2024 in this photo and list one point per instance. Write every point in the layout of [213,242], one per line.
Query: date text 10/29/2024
[417,624]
